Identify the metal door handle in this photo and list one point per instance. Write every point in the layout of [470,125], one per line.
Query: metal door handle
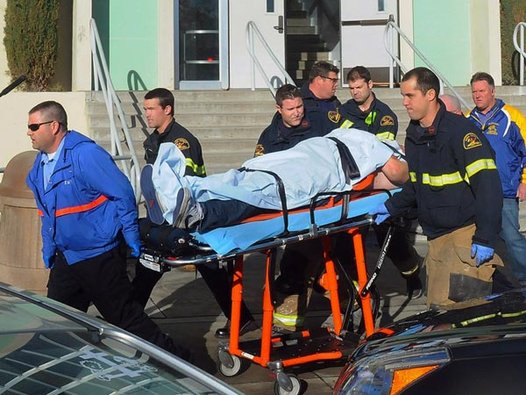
[280,27]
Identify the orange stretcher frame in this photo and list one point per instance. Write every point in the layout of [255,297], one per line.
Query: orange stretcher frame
[331,283]
[262,354]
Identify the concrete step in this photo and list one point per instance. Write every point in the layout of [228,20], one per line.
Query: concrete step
[296,14]
[227,146]
[309,46]
[306,64]
[190,121]
[315,56]
[192,96]
[230,132]
[228,123]
[193,118]
[216,162]
[200,107]
[301,30]
[297,22]
[301,75]
[227,133]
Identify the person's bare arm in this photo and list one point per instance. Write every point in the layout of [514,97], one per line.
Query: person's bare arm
[393,174]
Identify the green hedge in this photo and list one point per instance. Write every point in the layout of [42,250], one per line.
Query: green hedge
[31,40]
[511,13]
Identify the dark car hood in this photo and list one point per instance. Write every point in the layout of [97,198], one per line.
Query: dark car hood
[499,316]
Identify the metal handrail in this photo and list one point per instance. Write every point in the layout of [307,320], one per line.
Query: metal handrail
[389,47]
[519,47]
[253,31]
[102,77]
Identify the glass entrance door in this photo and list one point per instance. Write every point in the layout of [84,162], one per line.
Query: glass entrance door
[201,44]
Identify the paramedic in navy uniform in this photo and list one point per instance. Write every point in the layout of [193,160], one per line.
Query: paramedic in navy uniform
[365,112]
[159,112]
[159,109]
[88,213]
[456,190]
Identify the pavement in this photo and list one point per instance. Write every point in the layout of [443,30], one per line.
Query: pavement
[183,307]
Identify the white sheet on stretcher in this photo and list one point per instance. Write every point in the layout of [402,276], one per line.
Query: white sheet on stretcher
[240,237]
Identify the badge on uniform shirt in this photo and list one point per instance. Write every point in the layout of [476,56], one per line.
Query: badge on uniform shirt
[334,116]
[387,121]
[260,150]
[471,140]
[492,129]
[182,143]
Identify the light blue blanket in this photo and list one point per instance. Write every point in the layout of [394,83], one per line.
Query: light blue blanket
[240,237]
[311,166]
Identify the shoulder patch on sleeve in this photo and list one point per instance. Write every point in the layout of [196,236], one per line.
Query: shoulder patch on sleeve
[260,150]
[471,140]
[387,120]
[182,143]
[334,116]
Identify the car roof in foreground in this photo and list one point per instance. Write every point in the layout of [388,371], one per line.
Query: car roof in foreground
[46,347]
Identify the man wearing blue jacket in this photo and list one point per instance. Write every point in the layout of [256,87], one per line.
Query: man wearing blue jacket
[88,212]
[500,123]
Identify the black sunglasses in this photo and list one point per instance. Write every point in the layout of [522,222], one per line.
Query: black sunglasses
[35,126]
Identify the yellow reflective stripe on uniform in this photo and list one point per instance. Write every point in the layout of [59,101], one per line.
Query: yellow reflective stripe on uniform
[370,118]
[198,170]
[347,124]
[478,165]
[288,319]
[385,136]
[441,179]
[454,178]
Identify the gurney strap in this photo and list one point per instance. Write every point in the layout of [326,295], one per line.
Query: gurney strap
[349,166]
[350,170]
[282,196]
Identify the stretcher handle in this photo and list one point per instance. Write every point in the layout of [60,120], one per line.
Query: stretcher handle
[282,196]
[379,263]
[346,197]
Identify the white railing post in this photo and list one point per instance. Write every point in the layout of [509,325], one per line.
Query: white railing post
[522,57]
[391,61]
[519,47]
[443,81]
[252,31]
[250,34]
[102,77]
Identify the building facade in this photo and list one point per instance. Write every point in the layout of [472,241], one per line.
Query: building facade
[202,44]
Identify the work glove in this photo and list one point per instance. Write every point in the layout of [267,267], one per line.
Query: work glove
[481,253]
[381,213]
[135,248]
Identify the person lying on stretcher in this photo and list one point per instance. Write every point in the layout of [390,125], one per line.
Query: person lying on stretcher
[333,163]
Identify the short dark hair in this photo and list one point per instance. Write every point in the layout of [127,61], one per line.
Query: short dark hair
[425,80]
[359,73]
[54,111]
[285,92]
[322,69]
[166,98]
[482,76]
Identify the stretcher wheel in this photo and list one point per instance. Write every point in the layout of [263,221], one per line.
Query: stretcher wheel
[294,386]
[229,365]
